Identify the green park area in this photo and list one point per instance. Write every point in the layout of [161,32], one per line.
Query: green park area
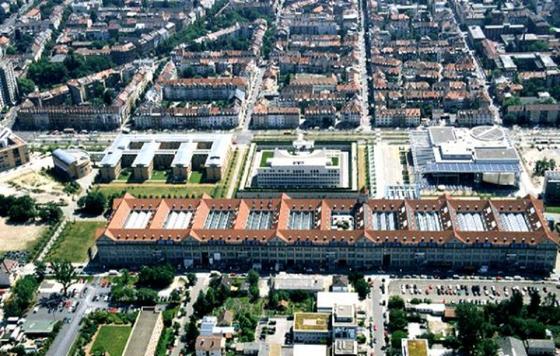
[111,340]
[74,241]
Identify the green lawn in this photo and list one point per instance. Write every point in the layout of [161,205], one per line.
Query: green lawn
[335,161]
[552,209]
[241,304]
[125,175]
[159,175]
[265,155]
[111,339]
[195,177]
[157,190]
[74,241]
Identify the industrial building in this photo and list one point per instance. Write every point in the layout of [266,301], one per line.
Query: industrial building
[182,153]
[449,155]
[306,233]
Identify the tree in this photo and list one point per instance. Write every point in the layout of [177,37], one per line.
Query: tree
[23,294]
[362,288]
[397,320]
[486,347]
[191,333]
[46,74]
[201,306]
[191,279]
[50,213]
[40,270]
[395,302]
[22,209]
[396,339]
[146,296]
[469,322]
[535,303]
[25,86]
[64,273]
[93,203]
[157,277]
[6,202]
[252,277]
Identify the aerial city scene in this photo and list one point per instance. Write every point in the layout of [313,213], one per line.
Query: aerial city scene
[279,177]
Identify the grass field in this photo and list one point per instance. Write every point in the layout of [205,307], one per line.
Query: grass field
[157,190]
[159,175]
[241,304]
[552,209]
[195,177]
[265,155]
[111,339]
[74,241]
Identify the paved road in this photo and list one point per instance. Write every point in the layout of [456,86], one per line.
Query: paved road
[201,285]
[65,338]
[377,297]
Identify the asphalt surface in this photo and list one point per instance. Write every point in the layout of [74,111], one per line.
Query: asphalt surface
[65,338]
[201,285]
[427,288]
[378,302]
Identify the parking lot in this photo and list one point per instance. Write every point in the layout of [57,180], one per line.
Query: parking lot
[468,290]
[274,331]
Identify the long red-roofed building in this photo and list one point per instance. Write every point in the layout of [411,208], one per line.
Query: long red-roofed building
[360,233]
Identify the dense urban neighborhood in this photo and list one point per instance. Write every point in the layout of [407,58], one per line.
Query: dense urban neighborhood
[279,177]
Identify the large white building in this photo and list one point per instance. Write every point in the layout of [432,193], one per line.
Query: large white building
[320,168]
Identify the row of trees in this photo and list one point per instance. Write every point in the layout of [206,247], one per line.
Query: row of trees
[143,290]
[543,165]
[23,292]
[23,209]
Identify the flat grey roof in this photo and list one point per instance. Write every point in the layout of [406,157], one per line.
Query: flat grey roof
[217,154]
[441,134]
[146,154]
[488,154]
[141,333]
[184,154]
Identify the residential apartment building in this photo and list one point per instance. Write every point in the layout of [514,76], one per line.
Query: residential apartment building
[198,117]
[397,117]
[212,345]
[13,150]
[8,84]
[204,89]
[508,235]
[265,116]
[76,117]
[475,117]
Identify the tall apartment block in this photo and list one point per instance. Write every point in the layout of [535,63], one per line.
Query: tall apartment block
[8,84]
